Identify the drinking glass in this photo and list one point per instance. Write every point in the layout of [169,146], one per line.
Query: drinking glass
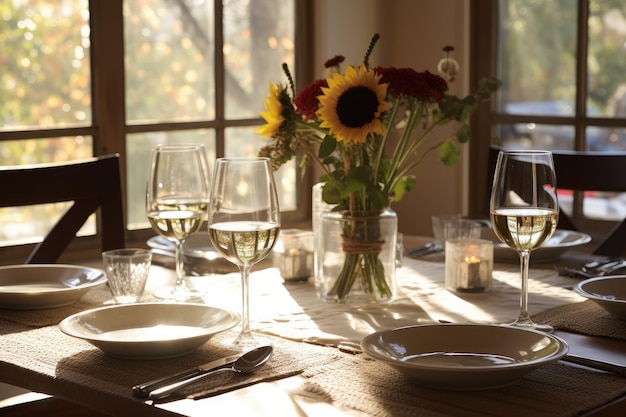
[244,221]
[524,211]
[176,203]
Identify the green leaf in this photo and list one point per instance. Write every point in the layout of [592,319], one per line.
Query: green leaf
[358,178]
[449,153]
[404,185]
[463,134]
[327,147]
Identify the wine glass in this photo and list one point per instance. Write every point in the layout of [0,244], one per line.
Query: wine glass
[524,211]
[176,203]
[244,221]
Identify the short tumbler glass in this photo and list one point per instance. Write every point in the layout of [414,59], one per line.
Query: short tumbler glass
[127,273]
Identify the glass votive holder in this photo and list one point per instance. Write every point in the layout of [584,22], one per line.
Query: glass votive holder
[469,265]
[293,254]
[461,229]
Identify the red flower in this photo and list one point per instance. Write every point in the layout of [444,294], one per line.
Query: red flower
[424,86]
[306,102]
[334,61]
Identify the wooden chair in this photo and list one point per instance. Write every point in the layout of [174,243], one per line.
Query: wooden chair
[587,171]
[91,184]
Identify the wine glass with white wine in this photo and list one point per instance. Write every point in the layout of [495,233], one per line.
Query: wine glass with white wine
[176,203]
[524,211]
[244,222]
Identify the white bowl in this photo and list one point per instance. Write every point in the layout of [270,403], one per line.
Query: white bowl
[463,357]
[34,286]
[609,292]
[149,330]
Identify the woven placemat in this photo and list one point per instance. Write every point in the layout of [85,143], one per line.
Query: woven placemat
[586,317]
[371,387]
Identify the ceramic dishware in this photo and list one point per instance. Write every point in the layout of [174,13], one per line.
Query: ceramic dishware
[464,357]
[608,292]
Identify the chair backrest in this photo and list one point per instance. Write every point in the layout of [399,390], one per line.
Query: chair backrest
[91,184]
[587,171]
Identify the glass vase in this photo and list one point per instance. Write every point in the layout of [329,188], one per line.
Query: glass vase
[356,260]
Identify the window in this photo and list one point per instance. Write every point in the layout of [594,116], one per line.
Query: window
[561,63]
[83,78]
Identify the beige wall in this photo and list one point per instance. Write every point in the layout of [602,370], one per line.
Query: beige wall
[412,35]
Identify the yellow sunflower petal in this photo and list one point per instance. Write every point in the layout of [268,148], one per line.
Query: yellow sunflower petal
[273,115]
[351,105]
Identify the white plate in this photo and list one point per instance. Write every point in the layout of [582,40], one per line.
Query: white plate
[560,242]
[34,286]
[198,251]
[463,357]
[609,292]
[149,330]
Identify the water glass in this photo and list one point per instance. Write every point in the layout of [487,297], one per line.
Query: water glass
[461,229]
[127,273]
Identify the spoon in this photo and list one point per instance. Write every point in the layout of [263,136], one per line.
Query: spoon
[246,364]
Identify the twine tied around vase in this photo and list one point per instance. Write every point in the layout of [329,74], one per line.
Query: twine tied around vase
[359,246]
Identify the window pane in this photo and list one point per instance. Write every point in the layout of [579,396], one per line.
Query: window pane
[138,147]
[258,38]
[537,136]
[537,56]
[605,61]
[246,142]
[169,60]
[45,77]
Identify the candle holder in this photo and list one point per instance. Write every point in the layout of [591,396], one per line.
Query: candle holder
[293,255]
[469,265]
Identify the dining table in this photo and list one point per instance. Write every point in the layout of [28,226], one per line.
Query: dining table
[318,367]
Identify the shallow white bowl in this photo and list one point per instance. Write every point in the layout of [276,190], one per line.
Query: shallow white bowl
[149,330]
[609,292]
[463,356]
[34,286]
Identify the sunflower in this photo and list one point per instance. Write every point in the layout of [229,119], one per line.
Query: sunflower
[351,105]
[274,114]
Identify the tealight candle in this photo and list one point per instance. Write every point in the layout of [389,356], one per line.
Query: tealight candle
[293,255]
[469,265]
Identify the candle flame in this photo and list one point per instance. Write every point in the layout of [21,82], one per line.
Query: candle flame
[472,259]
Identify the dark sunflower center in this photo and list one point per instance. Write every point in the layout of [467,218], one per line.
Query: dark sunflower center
[357,106]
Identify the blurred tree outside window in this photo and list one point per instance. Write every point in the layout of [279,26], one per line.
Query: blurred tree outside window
[193,71]
[561,63]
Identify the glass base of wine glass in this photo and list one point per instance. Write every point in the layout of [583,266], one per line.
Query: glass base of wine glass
[246,341]
[529,324]
[180,294]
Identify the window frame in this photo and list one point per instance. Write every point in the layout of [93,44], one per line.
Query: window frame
[109,128]
[483,50]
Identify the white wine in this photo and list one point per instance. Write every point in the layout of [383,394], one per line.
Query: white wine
[244,242]
[524,229]
[178,219]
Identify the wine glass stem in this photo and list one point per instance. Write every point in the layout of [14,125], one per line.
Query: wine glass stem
[245,300]
[524,265]
[180,267]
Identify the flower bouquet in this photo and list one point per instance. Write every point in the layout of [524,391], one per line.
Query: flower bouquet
[367,129]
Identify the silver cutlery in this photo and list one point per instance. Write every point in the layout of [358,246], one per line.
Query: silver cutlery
[596,364]
[142,390]
[247,363]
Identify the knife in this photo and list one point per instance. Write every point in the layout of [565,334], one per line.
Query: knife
[596,364]
[143,390]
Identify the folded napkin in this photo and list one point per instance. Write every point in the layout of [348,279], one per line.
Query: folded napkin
[586,317]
